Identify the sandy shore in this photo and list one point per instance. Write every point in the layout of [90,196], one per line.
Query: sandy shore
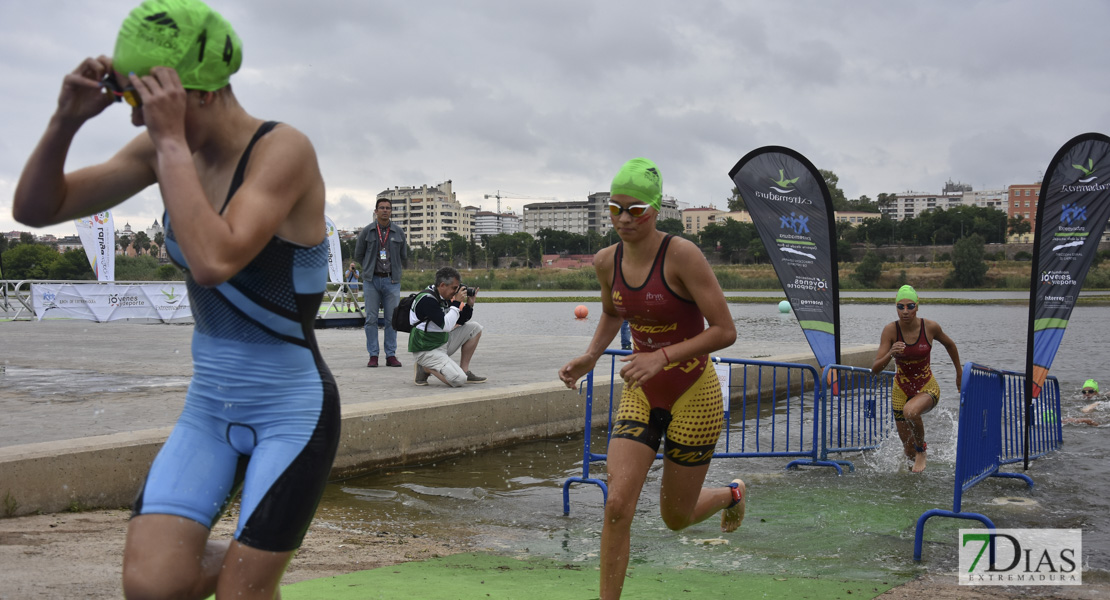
[78,555]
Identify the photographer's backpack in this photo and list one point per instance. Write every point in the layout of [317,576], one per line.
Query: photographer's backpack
[400,320]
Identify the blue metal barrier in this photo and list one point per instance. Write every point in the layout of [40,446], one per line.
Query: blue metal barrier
[992,408]
[780,409]
[1045,431]
[857,415]
[587,455]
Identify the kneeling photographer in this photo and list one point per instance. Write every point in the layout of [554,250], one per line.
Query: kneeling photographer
[441,322]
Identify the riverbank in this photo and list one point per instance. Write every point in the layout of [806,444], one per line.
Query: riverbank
[78,555]
[1009,275]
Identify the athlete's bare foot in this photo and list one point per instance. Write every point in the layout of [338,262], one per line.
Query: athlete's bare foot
[918,462]
[732,516]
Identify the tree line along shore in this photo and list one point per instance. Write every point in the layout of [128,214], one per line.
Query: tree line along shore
[967,265]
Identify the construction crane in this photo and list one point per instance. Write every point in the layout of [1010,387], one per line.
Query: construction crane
[499,196]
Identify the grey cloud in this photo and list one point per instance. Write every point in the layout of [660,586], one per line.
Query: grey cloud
[349,213]
[999,156]
[548,99]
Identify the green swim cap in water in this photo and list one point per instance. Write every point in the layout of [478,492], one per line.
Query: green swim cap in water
[641,179]
[1091,383]
[906,292]
[186,35]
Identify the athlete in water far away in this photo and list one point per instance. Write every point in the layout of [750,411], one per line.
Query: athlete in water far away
[1090,392]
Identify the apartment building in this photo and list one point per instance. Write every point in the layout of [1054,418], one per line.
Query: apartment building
[669,208]
[694,220]
[742,216]
[911,204]
[575,216]
[491,223]
[986,198]
[70,242]
[1021,200]
[578,216]
[428,213]
[855,217]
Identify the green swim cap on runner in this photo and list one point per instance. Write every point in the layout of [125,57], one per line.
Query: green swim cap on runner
[641,179]
[186,35]
[1091,383]
[906,292]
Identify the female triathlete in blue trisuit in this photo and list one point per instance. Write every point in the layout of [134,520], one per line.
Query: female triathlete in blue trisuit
[245,217]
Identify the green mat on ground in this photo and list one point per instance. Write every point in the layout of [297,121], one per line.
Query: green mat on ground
[475,575]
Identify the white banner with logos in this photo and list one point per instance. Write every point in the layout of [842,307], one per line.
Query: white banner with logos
[165,301]
[98,237]
[335,255]
[724,375]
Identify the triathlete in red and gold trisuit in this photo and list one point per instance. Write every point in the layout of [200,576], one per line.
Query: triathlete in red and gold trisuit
[684,401]
[916,391]
[913,375]
[664,287]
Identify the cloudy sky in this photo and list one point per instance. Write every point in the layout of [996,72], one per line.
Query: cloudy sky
[546,100]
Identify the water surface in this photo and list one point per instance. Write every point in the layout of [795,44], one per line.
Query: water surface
[803,522]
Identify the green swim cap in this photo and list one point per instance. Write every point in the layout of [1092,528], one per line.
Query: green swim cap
[1091,383]
[641,179]
[906,292]
[186,35]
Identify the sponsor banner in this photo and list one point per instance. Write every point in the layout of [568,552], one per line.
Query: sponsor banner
[790,205]
[724,371]
[1072,211]
[165,301]
[98,237]
[335,255]
[1021,557]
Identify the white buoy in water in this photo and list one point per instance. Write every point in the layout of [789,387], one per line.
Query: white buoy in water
[784,306]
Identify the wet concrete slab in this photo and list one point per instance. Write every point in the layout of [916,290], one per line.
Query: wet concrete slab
[87,406]
[72,379]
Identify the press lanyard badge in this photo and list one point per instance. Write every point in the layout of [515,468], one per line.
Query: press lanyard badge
[381,253]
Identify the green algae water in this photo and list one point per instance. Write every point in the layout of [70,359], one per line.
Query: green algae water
[804,523]
[808,523]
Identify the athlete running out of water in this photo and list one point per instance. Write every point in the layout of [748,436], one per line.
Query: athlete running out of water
[916,391]
[244,217]
[663,286]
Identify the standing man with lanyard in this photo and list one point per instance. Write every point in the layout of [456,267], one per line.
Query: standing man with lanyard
[382,251]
